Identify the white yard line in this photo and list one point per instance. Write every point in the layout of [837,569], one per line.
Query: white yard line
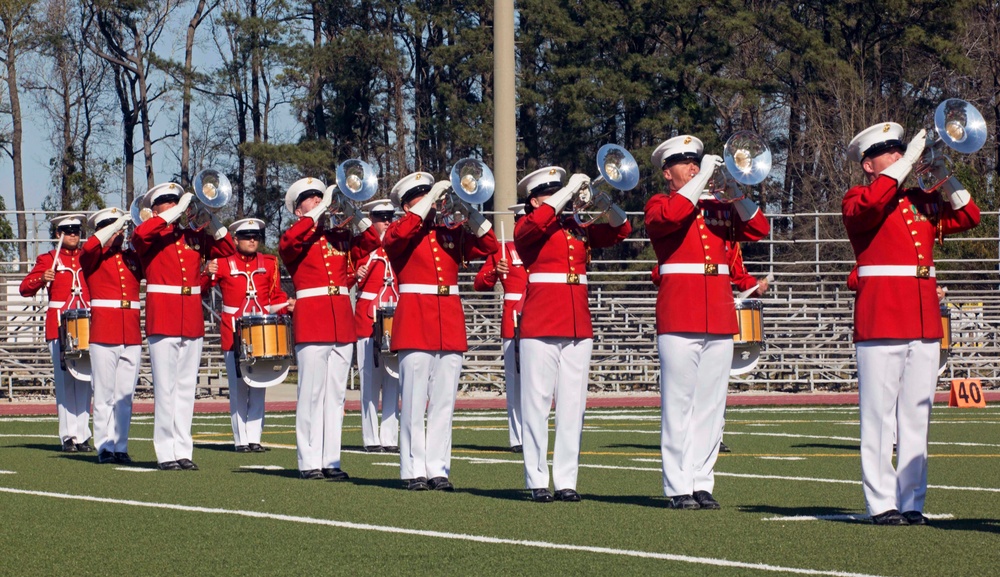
[442,534]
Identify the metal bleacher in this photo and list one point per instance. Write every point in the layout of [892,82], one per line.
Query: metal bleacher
[807,323]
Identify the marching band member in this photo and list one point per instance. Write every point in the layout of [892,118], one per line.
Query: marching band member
[251,284]
[429,324]
[317,257]
[59,272]
[695,314]
[171,256]
[509,271]
[376,285]
[556,332]
[897,319]
[113,274]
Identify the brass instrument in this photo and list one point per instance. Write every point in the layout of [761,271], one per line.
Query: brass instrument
[356,183]
[960,127]
[618,169]
[747,161]
[472,182]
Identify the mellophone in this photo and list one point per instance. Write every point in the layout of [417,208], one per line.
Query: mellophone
[748,342]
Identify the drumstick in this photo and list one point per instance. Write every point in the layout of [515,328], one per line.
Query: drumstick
[55,261]
[503,246]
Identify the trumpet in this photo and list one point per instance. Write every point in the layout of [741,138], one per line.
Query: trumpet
[960,127]
[356,183]
[619,170]
[747,161]
[472,182]
[213,191]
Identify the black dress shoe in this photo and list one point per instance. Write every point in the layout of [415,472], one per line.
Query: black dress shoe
[682,502]
[890,517]
[242,448]
[84,447]
[915,518]
[440,484]
[335,474]
[723,448]
[568,495]
[517,449]
[123,458]
[374,449]
[312,475]
[187,464]
[541,496]
[391,449]
[168,466]
[705,500]
[418,484]
[105,457]
[258,448]
[69,446]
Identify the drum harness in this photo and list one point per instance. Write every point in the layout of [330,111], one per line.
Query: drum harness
[76,296]
[248,300]
[387,289]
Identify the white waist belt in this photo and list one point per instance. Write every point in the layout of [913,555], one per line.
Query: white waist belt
[230,310]
[270,309]
[322,291]
[512,296]
[694,268]
[557,278]
[57,304]
[917,271]
[442,290]
[367,296]
[113,304]
[169,289]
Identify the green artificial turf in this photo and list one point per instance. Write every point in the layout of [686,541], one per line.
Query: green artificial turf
[622,512]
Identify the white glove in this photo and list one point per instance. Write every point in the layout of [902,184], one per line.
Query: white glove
[957,195]
[107,233]
[559,200]
[693,189]
[173,213]
[215,227]
[746,208]
[477,222]
[424,205]
[900,169]
[359,222]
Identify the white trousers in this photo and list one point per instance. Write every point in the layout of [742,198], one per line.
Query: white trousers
[115,370]
[429,384]
[72,400]
[377,382]
[174,362]
[553,369]
[319,410]
[512,385]
[246,405]
[896,381]
[694,375]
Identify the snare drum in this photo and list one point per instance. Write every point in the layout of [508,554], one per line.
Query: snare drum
[265,337]
[75,332]
[750,316]
[382,332]
[946,339]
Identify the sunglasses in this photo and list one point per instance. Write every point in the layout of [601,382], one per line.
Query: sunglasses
[73,229]
[382,216]
[257,236]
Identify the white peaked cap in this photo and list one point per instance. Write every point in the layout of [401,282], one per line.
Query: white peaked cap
[246,224]
[162,190]
[875,139]
[104,214]
[677,148]
[378,205]
[300,186]
[69,220]
[541,178]
[409,183]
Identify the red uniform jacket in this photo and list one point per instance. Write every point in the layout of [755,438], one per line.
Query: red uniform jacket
[738,273]
[550,243]
[515,284]
[113,274]
[231,279]
[171,257]
[319,259]
[68,275]
[887,227]
[424,254]
[684,234]
[379,276]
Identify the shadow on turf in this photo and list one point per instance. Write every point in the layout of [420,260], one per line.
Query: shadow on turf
[801,512]
[633,446]
[492,449]
[981,525]
[841,446]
